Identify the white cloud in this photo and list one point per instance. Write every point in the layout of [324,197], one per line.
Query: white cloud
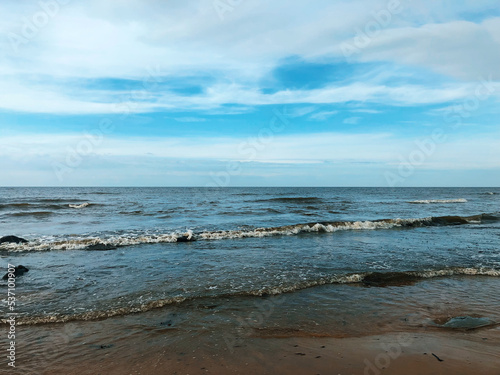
[477,150]
[302,159]
[96,40]
[461,49]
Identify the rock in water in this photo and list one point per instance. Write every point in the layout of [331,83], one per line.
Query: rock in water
[18,271]
[468,322]
[12,239]
[389,279]
[101,246]
[188,237]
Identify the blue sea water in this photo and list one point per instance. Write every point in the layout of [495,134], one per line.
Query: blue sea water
[99,252]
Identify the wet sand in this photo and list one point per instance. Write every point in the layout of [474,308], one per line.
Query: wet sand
[432,352]
[367,355]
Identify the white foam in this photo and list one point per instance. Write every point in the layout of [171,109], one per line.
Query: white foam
[83,205]
[430,201]
[72,243]
[305,228]
[83,243]
[468,271]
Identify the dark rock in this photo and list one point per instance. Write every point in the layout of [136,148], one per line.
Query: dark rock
[450,220]
[101,246]
[12,239]
[466,323]
[18,271]
[185,238]
[207,307]
[390,279]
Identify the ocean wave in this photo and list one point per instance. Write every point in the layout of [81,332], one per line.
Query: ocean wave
[430,201]
[83,205]
[58,200]
[292,200]
[32,213]
[133,213]
[30,206]
[95,315]
[330,227]
[369,279]
[98,243]
[112,242]
[14,205]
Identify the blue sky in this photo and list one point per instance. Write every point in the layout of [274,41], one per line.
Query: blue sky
[250,93]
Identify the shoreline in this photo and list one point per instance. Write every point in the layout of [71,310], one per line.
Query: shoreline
[313,331]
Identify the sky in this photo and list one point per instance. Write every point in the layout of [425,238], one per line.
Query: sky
[250,93]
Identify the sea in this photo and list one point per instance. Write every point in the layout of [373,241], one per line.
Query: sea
[339,261]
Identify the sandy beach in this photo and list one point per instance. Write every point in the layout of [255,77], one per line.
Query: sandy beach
[427,352]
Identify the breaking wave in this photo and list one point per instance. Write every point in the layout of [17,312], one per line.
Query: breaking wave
[112,242]
[369,279]
[460,200]
[83,205]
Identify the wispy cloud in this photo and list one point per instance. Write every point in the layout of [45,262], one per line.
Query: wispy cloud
[371,111]
[301,111]
[359,147]
[351,120]
[36,100]
[157,159]
[190,119]
[323,115]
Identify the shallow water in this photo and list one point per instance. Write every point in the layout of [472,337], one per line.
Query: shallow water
[214,326]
